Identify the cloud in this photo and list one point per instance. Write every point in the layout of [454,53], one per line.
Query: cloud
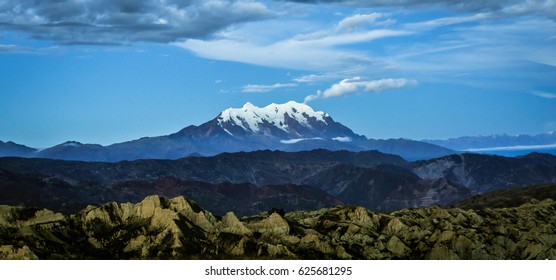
[544,94]
[312,78]
[358,20]
[265,88]
[353,71]
[492,53]
[485,45]
[546,8]
[126,21]
[312,52]
[114,22]
[349,86]
[352,38]
[9,48]
[431,24]
[342,139]
[459,5]
[354,85]
[513,148]
[455,4]
[318,78]
[296,140]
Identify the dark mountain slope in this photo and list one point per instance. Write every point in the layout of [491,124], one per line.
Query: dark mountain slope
[11,149]
[260,168]
[484,173]
[244,199]
[385,188]
[72,150]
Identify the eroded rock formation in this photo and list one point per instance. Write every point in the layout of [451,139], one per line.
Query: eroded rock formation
[160,228]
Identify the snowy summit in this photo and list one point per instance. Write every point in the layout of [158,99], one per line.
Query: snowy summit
[286,122]
[251,117]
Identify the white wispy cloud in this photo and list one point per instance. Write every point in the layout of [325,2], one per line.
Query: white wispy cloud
[487,50]
[354,85]
[13,48]
[544,94]
[354,71]
[301,53]
[301,45]
[286,55]
[342,139]
[445,21]
[352,37]
[358,21]
[265,88]
[513,148]
[546,8]
[312,78]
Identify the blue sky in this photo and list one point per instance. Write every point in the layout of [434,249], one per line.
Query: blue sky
[110,71]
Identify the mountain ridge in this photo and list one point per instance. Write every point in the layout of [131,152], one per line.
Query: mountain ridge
[501,144]
[375,180]
[288,127]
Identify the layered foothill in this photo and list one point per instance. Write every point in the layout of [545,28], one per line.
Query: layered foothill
[250,182]
[177,228]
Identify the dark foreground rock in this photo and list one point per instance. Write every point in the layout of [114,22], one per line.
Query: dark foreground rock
[159,228]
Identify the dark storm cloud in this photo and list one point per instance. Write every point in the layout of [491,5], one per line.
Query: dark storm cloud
[125,21]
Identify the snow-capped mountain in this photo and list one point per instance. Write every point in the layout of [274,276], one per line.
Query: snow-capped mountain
[288,127]
[290,122]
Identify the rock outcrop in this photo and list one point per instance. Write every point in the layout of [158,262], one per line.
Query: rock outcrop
[8,252]
[160,228]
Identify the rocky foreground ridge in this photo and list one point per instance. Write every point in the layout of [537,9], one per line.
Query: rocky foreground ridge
[177,228]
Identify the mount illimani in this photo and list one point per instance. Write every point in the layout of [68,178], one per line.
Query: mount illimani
[287,127]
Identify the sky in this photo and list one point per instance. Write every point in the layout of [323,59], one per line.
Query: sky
[111,71]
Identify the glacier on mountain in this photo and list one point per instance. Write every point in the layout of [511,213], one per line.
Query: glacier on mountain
[250,117]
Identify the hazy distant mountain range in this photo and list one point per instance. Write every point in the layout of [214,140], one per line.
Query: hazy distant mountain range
[506,145]
[287,127]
